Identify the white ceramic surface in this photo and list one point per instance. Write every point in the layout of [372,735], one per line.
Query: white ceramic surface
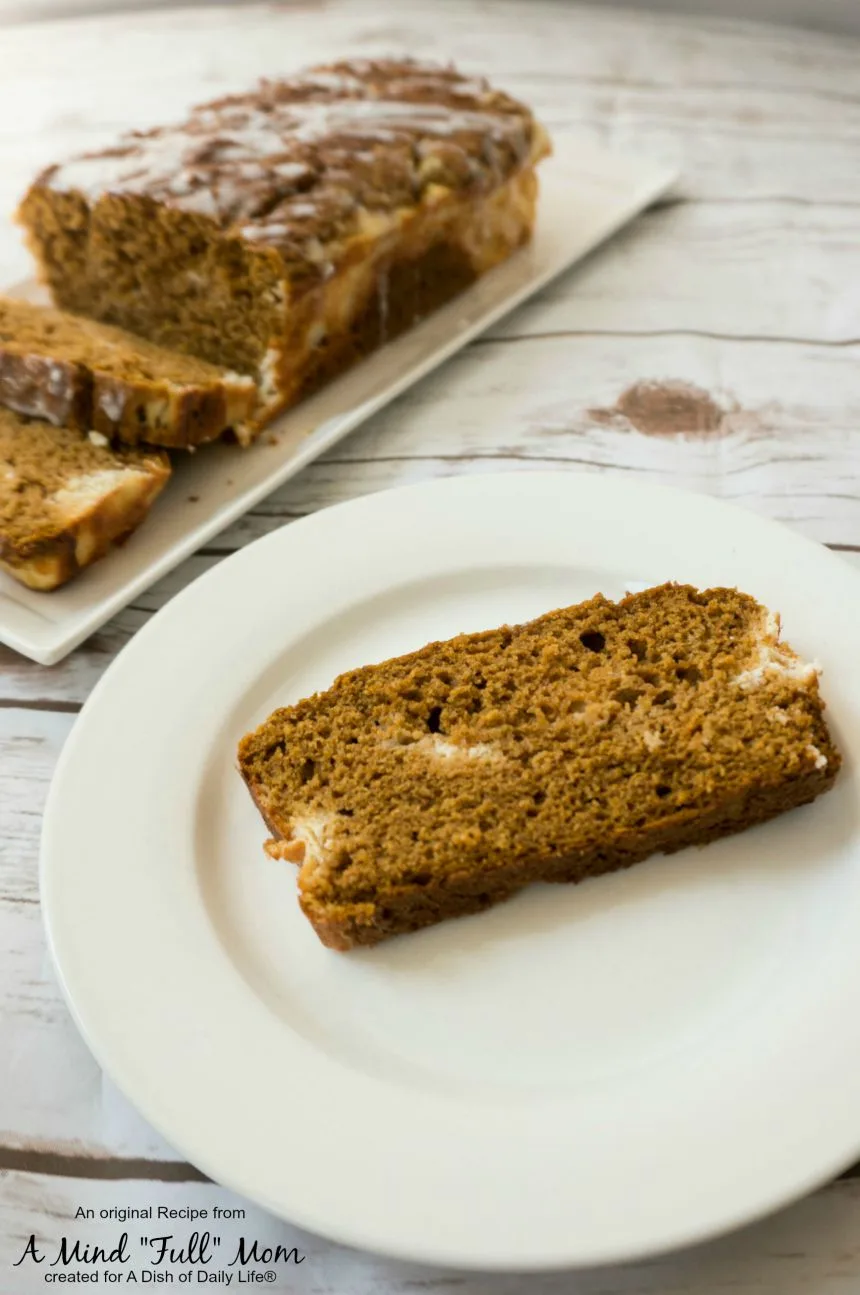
[582,1075]
[587,194]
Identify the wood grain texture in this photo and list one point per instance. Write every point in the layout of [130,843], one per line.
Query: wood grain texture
[810,1249]
[741,283]
[782,271]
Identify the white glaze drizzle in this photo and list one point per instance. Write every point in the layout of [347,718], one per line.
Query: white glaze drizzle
[201,165]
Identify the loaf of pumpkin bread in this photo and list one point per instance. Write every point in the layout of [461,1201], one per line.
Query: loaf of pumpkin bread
[286,232]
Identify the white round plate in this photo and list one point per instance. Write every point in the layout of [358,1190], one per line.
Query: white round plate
[583,1075]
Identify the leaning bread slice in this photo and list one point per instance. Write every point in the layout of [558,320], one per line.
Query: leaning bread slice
[441,782]
[77,373]
[64,500]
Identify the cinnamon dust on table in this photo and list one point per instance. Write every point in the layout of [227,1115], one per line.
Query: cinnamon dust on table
[665,408]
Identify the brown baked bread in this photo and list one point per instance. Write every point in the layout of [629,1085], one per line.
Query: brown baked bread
[64,500]
[439,783]
[77,373]
[286,232]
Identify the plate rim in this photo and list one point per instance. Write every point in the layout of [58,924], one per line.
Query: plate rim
[563,480]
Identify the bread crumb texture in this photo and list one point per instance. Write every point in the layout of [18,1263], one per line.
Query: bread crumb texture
[444,781]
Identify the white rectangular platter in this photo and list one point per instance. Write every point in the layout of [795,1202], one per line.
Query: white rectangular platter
[586,195]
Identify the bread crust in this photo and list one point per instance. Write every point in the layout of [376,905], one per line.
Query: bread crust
[389,285]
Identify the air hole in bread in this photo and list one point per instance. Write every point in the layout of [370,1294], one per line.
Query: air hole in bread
[689,674]
[593,640]
[628,696]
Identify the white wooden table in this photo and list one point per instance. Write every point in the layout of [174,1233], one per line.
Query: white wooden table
[744,284]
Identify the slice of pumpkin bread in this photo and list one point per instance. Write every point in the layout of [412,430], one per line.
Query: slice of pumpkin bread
[441,782]
[65,500]
[77,373]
